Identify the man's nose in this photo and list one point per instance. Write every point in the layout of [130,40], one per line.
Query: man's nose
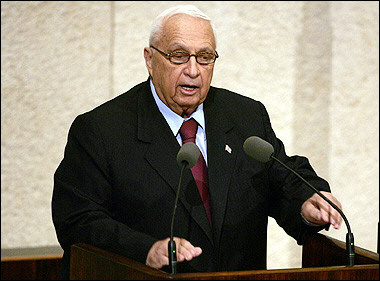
[192,67]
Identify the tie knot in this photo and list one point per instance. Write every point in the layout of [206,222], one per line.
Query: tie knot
[188,130]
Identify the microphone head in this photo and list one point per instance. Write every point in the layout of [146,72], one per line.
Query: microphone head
[188,154]
[258,149]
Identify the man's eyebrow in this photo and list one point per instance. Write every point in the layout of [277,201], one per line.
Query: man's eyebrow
[206,50]
[181,48]
[178,46]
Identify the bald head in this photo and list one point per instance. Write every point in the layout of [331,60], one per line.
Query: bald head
[190,10]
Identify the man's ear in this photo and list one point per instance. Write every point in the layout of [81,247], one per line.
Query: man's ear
[148,59]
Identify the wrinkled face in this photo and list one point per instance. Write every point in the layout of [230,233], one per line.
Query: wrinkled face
[182,87]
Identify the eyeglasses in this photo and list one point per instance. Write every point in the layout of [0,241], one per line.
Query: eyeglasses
[202,58]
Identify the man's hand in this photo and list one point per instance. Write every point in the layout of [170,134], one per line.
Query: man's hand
[158,254]
[316,210]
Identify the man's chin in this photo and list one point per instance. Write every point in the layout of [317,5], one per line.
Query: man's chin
[184,110]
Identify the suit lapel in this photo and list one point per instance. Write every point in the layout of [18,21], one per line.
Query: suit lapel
[162,153]
[221,158]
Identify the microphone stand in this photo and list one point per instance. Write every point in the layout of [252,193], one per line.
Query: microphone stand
[349,236]
[172,251]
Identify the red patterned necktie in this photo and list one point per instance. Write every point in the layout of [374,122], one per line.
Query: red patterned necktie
[188,131]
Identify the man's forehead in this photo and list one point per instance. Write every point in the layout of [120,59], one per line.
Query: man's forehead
[180,28]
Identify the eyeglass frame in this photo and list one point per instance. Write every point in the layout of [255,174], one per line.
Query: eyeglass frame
[169,56]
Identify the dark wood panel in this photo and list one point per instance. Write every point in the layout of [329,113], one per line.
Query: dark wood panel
[31,269]
[321,250]
[37,263]
[91,263]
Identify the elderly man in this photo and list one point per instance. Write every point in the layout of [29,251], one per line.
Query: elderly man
[116,186]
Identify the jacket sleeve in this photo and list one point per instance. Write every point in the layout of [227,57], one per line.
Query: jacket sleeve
[82,197]
[288,191]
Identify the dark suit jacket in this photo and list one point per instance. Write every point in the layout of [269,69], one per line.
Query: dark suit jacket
[116,186]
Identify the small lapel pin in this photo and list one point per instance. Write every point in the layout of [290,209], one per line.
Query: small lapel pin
[228,149]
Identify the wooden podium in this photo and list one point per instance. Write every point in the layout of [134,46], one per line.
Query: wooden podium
[323,258]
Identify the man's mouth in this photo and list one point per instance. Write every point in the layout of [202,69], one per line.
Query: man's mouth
[189,88]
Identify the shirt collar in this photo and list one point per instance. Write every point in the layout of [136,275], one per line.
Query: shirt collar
[173,119]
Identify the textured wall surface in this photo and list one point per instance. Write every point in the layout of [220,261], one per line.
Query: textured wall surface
[315,65]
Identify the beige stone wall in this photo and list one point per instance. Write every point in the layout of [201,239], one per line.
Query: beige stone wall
[315,65]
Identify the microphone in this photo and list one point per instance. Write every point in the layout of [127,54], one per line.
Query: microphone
[262,151]
[187,157]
